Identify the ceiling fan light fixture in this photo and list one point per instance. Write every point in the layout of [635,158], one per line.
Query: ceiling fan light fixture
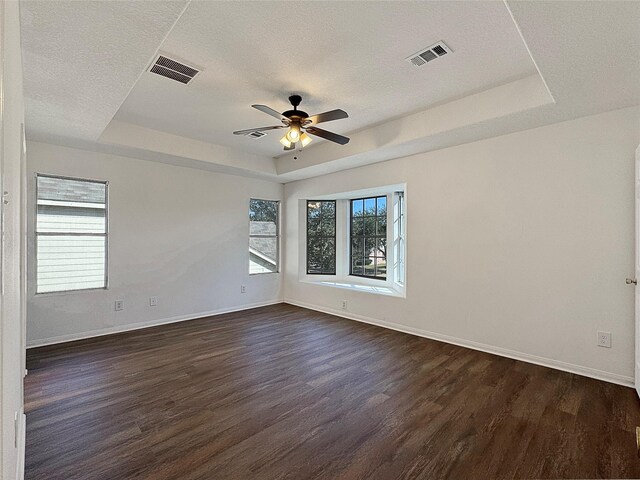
[305,139]
[293,135]
[285,141]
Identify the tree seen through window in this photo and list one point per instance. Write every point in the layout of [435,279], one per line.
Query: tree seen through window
[321,237]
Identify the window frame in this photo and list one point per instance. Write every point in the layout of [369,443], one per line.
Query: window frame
[36,234]
[375,236]
[335,237]
[399,238]
[276,236]
[391,286]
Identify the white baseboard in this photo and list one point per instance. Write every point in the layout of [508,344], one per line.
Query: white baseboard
[504,352]
[140,325]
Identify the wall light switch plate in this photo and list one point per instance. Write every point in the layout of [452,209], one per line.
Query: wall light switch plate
[119,305]
[153,301]
[604,339]
[243,289]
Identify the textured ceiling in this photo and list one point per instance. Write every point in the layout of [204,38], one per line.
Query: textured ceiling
[82,58]
[347,55]
[85,75]
[588,51]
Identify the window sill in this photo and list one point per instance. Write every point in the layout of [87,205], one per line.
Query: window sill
[382,289]
[70,292]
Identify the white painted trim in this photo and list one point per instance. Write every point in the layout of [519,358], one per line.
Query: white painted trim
[383,289]
[503,352]
[526,45]
[21,445]
[141,325]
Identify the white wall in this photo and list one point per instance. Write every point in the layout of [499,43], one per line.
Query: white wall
[518,244]
[11,304]
[176,233]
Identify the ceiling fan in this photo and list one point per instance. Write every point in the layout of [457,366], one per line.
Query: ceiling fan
[300,124]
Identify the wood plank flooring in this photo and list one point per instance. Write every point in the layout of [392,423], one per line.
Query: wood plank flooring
[281,392]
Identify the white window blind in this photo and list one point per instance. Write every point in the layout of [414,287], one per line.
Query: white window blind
[71,234]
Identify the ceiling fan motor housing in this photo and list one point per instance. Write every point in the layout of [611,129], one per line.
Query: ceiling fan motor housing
[295,100]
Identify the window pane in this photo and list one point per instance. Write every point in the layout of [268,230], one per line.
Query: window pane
[369,226]
[313,227]
[381,226]
[369,266]
[328,262]
[329,209]
[314,209]
[357,247]
[321,233]
[357,226]
[263,217]
[55,189]
[369,246]
[328,228]
[263,210]
[70,262]
[263,255]
[369,237]
[369,206]
[314,256]
[356,208]
[70,219]
[356,267]
[381,267]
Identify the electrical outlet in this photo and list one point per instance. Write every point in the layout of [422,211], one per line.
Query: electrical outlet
[153,301]
[119,305]
[243,289]
[604,339]
[344,304]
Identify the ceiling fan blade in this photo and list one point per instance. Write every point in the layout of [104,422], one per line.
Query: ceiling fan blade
[260,129]
[334,137]
[271,111]
[328,116]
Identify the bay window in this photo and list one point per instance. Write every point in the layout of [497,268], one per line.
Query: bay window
[348,243]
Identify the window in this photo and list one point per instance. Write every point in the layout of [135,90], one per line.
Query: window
[368,246]
[321,237]
[71,234]
[356,240]
[263,236]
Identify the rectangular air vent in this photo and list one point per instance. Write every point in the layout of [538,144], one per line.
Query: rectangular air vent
[428,54]
[256,134]
[173,69]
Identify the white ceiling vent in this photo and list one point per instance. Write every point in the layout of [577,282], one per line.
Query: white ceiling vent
[256,134]
[428,54]
[173,69]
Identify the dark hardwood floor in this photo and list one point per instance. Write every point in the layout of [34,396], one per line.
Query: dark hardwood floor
[283,392]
